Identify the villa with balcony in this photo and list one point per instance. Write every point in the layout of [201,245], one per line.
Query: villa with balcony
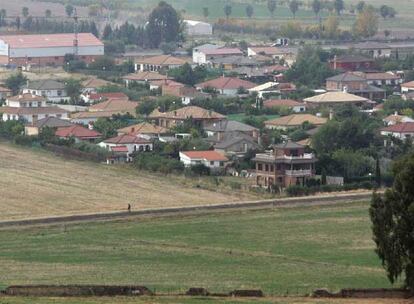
[287,164]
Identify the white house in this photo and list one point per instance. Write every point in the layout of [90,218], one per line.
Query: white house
[402,131]
[30,108]
[211,159]
[395,119]
[205,53]
[53,90]
[128,144]
[198,28]
[407,87]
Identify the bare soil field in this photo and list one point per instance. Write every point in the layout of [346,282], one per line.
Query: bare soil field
[37,184]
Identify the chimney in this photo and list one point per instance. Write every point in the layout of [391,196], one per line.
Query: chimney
[395,113]
[90,125]
[334,62]
[331,114]
[345,89]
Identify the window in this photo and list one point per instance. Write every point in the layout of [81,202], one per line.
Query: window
[272,168]
[266,168]
[221,164]
[29,58]
[30,104]
[259,167]
[59,115]
[211,163]
[59,93]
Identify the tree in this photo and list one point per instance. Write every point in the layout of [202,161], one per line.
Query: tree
[164,25]
[168,47]
[378,172]
[227,10]
[387,11]
[107,33]
[3,15]
[249,11]
[25,11]
[339,6]
[205,12]
[271,6]
[73,89]
[392,216]
[69,9]
[331,26]
[360,6]
[48,13]
[93,10]
[294,7]
[366,24]
[93,29]
[15,81]
[316,7]
[18,23]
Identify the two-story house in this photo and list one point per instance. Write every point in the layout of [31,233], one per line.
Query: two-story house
[286,165]
[30,108]
[53,90]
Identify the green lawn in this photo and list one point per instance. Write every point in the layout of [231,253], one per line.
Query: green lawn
[292,250]
[241,116]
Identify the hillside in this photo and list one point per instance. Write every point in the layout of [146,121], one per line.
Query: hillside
[282,251]
[38,184]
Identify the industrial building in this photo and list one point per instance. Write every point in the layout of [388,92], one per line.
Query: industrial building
[48,49]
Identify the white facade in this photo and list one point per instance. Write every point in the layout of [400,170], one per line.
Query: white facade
[212,164]
[199,57]
[400,135]
[53,95]
[198,28]
[131,147]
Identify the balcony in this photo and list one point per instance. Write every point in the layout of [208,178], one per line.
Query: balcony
[298,172]
[304,156]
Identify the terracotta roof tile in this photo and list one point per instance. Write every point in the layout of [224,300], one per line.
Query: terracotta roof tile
[114,105]
[126,139]
[205,155]
[227,83]
[188,112]
[162,60]
[282,103]
[295,120]
[406,127]
[78,132]
[143,128]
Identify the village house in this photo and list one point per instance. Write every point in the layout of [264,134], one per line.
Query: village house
[198,115]
[211,159]
[286,54]
[143,78]
[229,86]
[336,98]
[122,106]
[352,63]
[395,119]
[294,121]
[407,87]
[89,118]
[273,88]
[124,146]
[99,97]
[218,130]
[206,53]
[236,144]
[401,131]
[5,92]
[34,129]
[234,62]
[294,105]
[158,63]
[144,129]
[373,49]
[78,133]
[52,90]
[185,92]
[355,83]
[93,84]
[287,164]
[30,108]
[382,79]
[48,49]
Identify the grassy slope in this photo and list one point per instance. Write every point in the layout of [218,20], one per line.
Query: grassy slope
[38,184]
[281,251]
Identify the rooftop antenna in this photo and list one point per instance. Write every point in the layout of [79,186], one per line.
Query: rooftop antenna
[75,30]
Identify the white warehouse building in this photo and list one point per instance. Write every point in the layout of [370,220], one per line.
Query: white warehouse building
[198,28]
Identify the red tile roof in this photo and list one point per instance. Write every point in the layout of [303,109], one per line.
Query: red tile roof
[282,103]
[406,127]
[126,139]
[114,95]
[78,132]
[207,155]
[50,40]
[227,83]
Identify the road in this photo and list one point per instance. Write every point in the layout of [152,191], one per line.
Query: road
[200,209]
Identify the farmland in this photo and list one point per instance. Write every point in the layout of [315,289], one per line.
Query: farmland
[36,184]
[282,251]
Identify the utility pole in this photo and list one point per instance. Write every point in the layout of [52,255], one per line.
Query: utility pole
[75,30]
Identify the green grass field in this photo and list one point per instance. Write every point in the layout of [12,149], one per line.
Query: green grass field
[282,251]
